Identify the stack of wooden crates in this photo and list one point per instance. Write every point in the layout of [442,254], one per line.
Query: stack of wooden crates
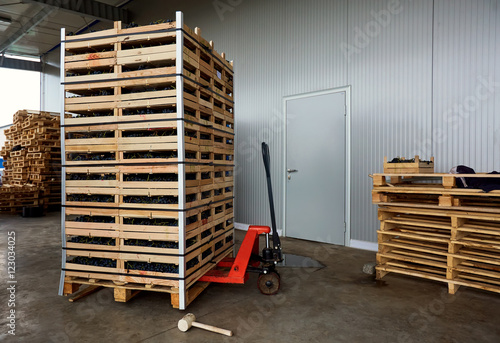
[432,229]
[148,159]
[32,154]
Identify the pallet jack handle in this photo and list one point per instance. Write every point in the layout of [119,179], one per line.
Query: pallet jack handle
[267,165]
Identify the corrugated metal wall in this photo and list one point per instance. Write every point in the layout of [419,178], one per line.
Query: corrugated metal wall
[390,70]
[423,76]
[280,48]
[467,84]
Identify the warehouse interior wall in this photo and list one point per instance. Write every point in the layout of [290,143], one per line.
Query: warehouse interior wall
[423,74]
[50,97]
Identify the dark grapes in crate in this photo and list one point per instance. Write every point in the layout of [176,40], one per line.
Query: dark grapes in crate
[402,160]
[85,177]
[190,242]
[143,111]
[189,113]
[206,233]
[86,135]
[150,200]
[191,220]
[90,198]
[190,177]
[152,267]
[147,221]
[92,157]
[219,227]
[131,25]
[89,72]
[92,240]
[95,114]
[205,214]
[206,253]
[191,263]
[151,244]
[190,197]
[148,89]
[150,133]
[94,261]
[190,155]
[95,219]
[161,21]
[148,155]
[407,160]
[150,177]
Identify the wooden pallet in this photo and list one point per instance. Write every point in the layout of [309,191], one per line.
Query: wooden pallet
[428,190]
[36,157]
[206,256]
[460,248]
[125,292]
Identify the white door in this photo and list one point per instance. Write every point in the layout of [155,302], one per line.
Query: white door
[316,167]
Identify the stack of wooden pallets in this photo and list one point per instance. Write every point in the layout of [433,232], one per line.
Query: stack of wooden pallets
[148,159]
[430,228]
[32,164]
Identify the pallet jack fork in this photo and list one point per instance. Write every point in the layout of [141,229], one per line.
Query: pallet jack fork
[235,270]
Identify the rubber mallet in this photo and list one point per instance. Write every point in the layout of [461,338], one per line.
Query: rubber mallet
[190,320]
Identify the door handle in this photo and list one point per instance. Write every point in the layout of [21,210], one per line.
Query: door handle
[292,170]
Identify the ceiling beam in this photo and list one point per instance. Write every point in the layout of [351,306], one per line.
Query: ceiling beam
[89,8]
[15,63]
[25,28]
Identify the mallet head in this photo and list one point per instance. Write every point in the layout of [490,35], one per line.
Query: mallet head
[186,322]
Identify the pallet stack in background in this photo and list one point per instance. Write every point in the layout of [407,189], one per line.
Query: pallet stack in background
[32,162]
[148,159]
[430,228]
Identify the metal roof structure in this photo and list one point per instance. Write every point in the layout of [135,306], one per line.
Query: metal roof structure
[31,28]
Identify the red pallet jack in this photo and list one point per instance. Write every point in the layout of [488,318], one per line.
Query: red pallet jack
[236,269]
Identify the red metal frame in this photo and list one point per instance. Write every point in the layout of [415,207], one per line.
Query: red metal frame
[238,266]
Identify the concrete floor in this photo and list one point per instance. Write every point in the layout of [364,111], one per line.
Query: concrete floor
[337,303]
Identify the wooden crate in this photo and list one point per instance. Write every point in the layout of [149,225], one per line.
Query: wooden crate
[132,77]
[416,167]
[148,159]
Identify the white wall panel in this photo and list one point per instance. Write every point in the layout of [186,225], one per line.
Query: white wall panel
[390,70]
[50,97]
[467,84]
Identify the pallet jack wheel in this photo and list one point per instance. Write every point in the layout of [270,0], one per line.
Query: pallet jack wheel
[269,284]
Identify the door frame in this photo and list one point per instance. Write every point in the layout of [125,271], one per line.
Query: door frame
[347,187]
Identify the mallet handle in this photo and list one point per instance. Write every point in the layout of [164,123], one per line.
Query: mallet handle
[212,328]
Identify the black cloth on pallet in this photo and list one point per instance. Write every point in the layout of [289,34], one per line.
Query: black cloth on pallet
[484,183]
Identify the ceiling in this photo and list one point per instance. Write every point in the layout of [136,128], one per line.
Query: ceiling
[33,27]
